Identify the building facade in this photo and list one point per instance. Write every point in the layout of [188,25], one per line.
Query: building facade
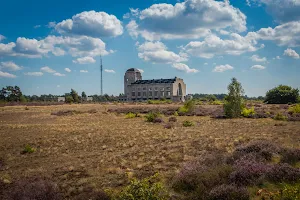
[137,89]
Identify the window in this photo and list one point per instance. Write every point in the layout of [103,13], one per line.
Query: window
[156,89]
[162,93]
[133,89]
[156,93]
[144,88]
[150,89]
[162,89]
[168,93]
[139,89]
[133,94]
[150,93]
[139,94]
[168,88]
[144,94]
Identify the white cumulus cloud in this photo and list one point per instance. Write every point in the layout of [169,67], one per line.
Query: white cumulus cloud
[2,37]
[91,23]
[109,71]
[7,75]
[85,60]
[258,67]
[222,68]
[10,66]
[184,67]
[33,73]
[68,70]
[83,71]
[291,53]
[256,58]
[58,74]
[48,70]
[142,71]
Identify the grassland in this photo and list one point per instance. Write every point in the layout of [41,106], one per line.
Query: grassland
[96,148]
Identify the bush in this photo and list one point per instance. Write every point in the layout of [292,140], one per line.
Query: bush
[283,173]
[291,156]
[216,102]
[168,126]
[228,192]
[188,107]
[146,189]
[288,192]
[282,95]
[248,112]
[172,119]
[188,123]
[158,120]
[1,163]
[279,116]
[131,115]
[28,149]
[294,109]
[33,188]
[150,117]
[69,99]
[233,104]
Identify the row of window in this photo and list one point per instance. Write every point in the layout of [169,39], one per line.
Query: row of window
[155,89]
[162,93]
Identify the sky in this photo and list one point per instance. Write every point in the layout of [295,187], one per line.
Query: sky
[49,47]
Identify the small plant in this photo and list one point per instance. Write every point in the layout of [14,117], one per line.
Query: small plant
[172,119]
[150,117]
[216,102]
[248,112]
[146,189]
[286,192]
[188,106]
[280,116]
[26,108]
[28,149]
[168,126]
[228,192]
[158,120]
[176,113]
[131,115]
[294,109]
[188,123]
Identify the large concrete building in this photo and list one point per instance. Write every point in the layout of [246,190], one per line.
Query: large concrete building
[137,89]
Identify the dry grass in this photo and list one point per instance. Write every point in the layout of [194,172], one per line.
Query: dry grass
[100,149]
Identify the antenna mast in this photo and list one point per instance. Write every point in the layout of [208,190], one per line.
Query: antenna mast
[101,77]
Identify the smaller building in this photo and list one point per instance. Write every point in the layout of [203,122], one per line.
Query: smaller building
[61,99]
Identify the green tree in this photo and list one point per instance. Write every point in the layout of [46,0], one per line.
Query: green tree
[74,95]
[69,99]
[282,94]
[11,93]
[233,101]
[83,95]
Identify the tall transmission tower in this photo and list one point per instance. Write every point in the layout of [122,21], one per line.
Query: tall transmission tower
[101,76]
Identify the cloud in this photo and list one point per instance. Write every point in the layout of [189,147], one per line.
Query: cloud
[48,70]
[184,67]
[196,18]
[91,23]
[51,24]
[84,60]
[58,74]
[37,26]
[256,58]
[78,46]
[277,58]
[287,34]
[222,68]
[58,86]
[205,63]
[156,52]
[33,73]
[2,37]
[291,53]
[142,71]
[258,67]
[10,66]
[282,10]
[7,75]
[212,45]
[133,13]
[109,71]
[68,70]
[83,71]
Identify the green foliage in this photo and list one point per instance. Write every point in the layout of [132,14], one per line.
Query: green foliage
[248,112]
[295,109]
[188,106]
[74,95]
[83,95]
[28,149]
[233,101]
[146,189]
[150,117]
[11,93]
[286,192]
[216,102]
[131,115]
[176,113]
[23,99]
[282,94]
[69,99]
[188,123]
[280,116]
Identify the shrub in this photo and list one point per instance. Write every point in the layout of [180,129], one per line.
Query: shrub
[282,95]
[90,194]
[1,163]
[188,123]
[294,109]
[168,126]
[188,106]
[291,156]
[233,104]
[158,120]
[248,112]
[216,102]
[131,115]
[146,189]
[283,173]
[176,113]
[172,119]
[228,192]
[28,149]
[280,116]
[150,117]
[33,188]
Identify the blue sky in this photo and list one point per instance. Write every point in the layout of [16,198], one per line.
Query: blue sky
[53,46]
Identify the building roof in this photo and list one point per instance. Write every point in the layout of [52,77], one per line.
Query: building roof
[153,81]
[133,70]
